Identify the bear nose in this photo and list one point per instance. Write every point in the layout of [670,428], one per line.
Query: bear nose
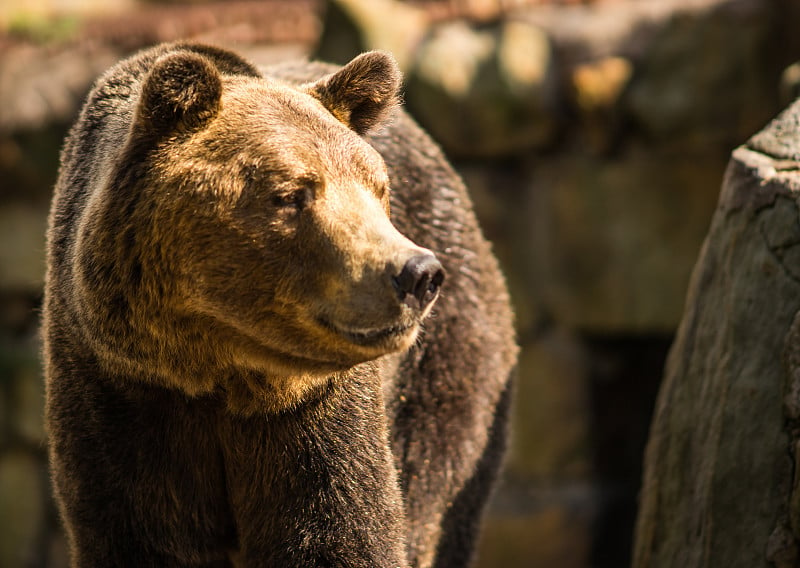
[419,281]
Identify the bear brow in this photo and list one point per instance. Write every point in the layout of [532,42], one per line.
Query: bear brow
[279,177]
[320,145]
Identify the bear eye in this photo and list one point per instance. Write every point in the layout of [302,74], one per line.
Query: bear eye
[290,200]
[297,197]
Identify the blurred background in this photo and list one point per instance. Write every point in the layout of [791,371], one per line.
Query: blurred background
[593,136]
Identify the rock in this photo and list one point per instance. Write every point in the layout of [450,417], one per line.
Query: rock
[22,508]
[485,90]
[610,241]
[599,84]
[705,74]
[598,87]
[350,27]
[790,83]
[718,485]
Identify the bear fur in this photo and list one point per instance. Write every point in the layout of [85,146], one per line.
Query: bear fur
[240,371]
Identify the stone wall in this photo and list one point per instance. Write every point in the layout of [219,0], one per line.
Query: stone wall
[593,137]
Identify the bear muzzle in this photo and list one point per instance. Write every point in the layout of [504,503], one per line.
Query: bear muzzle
[415,285]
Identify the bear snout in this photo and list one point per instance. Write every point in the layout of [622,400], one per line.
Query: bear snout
[419,281]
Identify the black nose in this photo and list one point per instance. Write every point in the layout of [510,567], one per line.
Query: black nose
[419,281]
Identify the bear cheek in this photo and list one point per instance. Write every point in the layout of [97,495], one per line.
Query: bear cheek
[232,274]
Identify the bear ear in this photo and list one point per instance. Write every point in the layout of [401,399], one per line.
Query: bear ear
[363,92]
[182,90]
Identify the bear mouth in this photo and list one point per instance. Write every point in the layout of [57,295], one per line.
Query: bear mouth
[371,337]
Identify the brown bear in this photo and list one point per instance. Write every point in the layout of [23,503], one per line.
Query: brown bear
[274,333]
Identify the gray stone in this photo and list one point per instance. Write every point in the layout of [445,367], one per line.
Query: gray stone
[779,140]
[717,488]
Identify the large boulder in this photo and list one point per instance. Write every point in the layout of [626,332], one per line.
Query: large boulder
[718,487]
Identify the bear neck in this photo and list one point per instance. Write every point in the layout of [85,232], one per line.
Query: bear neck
[175,354]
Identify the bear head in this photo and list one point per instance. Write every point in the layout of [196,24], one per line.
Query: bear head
[247,224]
